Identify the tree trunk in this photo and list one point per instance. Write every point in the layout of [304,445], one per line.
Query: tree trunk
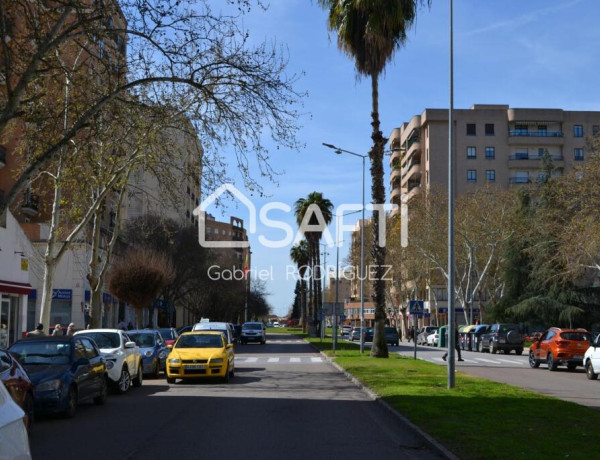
[379,347]
[96,296]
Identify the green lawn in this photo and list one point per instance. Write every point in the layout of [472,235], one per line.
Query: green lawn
[478,418]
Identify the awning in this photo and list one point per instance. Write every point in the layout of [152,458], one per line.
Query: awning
[13,287]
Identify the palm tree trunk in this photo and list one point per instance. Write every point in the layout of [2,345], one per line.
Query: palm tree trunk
[379,348]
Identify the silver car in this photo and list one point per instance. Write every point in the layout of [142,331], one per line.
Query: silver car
[253,332]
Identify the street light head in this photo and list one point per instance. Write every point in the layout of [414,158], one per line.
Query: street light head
[331,146]
[338,151]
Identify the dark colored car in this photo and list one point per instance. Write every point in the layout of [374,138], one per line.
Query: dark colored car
[17,383]
[153,348]
[476,335]
[65,371]
[183,329]
[369,334]
[169,335]
[391,336]
[501,336]
[237,333]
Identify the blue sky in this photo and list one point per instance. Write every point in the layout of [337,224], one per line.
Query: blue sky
[530,53]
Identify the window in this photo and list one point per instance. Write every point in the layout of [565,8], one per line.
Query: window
[471,175]
[490,175]
[471,152]
[489,129]
[595,129]
[490,153]
[542,130]
[541,152]
[577,130]
[471,130]
[578,155]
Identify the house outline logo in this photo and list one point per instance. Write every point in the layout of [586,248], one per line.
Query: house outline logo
[200,211]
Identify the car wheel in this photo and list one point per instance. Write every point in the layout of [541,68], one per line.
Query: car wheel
[533,363]
[493,348]
[71,403]
[262,342]
[480,346]
[571,366]
[28,408]
[589,371]
[551,363]
[101,398]
[124,381]
[137,382]
[170,379]
[226,376]
[156,370]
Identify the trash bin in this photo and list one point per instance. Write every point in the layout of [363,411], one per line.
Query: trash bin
[468,337]
[443,330]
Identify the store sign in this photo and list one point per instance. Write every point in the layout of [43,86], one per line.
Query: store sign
[62,294]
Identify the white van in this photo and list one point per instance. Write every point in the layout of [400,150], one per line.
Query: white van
[225,328]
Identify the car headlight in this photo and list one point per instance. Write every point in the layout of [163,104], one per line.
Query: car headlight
[216,360]
[110,364]
[49,385]
[148,353]
[174,361]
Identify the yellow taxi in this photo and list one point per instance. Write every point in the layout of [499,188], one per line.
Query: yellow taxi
[200,354]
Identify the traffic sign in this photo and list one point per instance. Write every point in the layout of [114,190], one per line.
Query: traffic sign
[416,307]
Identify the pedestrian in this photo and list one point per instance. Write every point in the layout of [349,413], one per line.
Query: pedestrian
[39,330]
[71,329]
[129,326]
[122,325]
[57,330]
[411,332]
[456,345]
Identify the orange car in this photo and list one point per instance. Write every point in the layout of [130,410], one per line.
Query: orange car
[559,346]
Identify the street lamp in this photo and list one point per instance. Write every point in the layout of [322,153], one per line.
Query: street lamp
[339,151]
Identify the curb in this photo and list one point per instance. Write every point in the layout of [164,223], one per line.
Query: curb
[430,440]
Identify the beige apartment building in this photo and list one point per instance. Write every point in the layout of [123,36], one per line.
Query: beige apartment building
[492,144]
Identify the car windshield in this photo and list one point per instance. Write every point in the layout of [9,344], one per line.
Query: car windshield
[390,330]
[581,336]
[199,341]
[508,327]
[143,340]
[168,334]
[104,339]
[42,352]
[253,326]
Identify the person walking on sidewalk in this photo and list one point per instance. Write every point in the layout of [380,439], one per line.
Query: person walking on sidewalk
[456,345]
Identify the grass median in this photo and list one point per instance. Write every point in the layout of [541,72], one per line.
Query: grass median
[478,418]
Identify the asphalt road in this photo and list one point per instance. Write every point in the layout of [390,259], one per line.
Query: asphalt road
[285,402]
[514,370]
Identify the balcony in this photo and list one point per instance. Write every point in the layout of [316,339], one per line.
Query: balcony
[532,137]
[2,157]
[30,205]
[539,133]
[527,161]
[519,180]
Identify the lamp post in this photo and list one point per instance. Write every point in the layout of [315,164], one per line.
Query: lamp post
[339,151]
[324,275]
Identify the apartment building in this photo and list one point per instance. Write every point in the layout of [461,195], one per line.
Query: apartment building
[492,144]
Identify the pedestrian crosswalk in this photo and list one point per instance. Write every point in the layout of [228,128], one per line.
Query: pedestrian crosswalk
[279,360]
[497,361]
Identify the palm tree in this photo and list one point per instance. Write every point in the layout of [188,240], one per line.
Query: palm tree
[299,255]
[308,210]
[369,31]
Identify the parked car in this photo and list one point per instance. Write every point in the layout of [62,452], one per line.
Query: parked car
[123,357]
[424,333]
[354,334]
[432,339]
[225,328]
[65,371]
[153,348]
[476,335]
[368,334]
[201,354]
[13,431]
[183,329]
[559,346]
[391,336]
[253,331]
[591,359]
[237,333]
[169,335]
[18,384]
[346,330]
[501,336]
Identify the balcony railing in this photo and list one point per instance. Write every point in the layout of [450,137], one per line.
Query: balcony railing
[519,180]
[526,156]
[411,141]
[30,205]
[527,133]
